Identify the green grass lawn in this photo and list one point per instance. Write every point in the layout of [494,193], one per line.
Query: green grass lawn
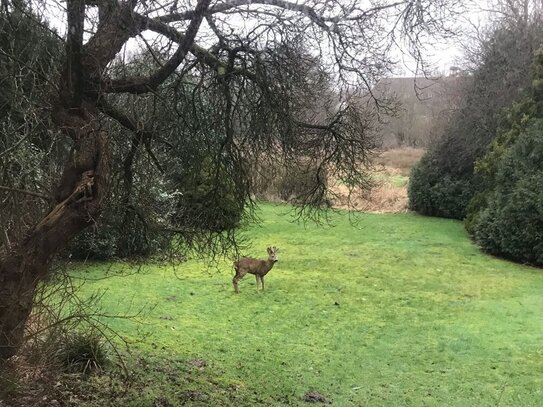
[401,310]
[395,180]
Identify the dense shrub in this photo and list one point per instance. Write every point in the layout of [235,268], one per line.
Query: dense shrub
[511,225]
[123,231]
[512,122]
[445,182]
[506,216]
[94,243]
[207,196]
[117,237]
[433,192]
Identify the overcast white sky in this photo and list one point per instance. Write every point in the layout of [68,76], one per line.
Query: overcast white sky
[449,53]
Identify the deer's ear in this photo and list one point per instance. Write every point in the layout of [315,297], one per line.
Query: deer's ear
[275,249]
[269,250]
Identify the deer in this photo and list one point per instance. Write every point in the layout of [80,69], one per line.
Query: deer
[257,267]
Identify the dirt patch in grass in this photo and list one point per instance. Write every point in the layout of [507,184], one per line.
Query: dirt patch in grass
[316,397]
[198,363]
[25,384]
[193,395]
[162,402]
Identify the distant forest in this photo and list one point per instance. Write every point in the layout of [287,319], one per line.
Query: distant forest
[424,108]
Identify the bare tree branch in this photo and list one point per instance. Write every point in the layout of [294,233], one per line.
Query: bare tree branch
[74,45]
[144,135]
[286,5]
[144,85]
[30,193]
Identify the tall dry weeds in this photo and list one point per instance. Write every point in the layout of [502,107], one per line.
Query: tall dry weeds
[386,196]
[399,159]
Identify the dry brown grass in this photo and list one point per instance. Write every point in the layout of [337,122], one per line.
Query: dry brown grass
[383,198]
[391,169]
[388,195]
[400,160]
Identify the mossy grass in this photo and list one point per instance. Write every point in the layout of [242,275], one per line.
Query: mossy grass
[397,310]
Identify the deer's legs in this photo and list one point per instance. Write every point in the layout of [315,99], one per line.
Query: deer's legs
[257,277]
[239,275]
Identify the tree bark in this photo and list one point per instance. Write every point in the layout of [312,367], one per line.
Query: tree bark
[78,201]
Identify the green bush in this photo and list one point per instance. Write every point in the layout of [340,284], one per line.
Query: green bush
[95,243]
[475,207]
[512,223]
[435,193]
[207,197]
[82,352]
[120,233]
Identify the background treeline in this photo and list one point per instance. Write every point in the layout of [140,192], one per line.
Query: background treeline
[487,167]
[423,108]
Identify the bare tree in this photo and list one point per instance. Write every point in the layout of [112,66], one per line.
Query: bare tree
[515,11]
[242,50]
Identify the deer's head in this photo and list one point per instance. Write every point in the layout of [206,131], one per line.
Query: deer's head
[272,254]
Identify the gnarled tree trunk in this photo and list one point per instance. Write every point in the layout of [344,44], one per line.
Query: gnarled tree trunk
[78,201]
